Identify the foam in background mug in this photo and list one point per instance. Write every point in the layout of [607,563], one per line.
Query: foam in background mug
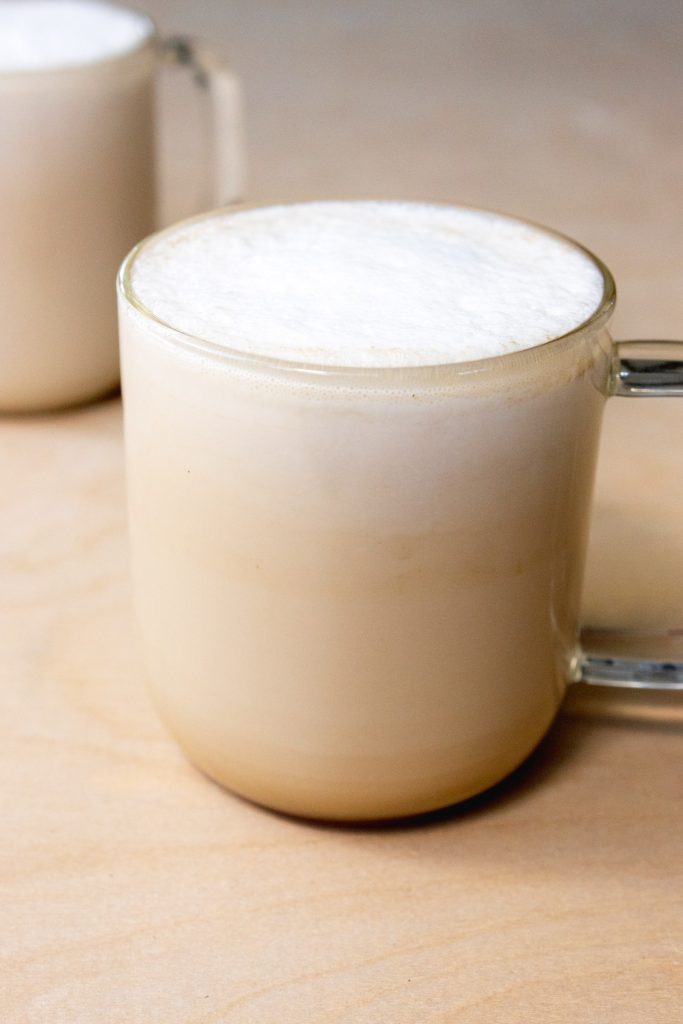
[361,440]
[77,186]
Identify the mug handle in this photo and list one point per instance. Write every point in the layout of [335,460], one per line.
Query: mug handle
[642,369]
[221,92]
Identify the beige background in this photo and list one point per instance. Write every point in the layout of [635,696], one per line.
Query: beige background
[131,889]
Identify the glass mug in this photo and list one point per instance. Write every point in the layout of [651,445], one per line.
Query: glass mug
[358,590]
[77,190]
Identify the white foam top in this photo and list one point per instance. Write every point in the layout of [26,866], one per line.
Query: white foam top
[367,283]
[42,35]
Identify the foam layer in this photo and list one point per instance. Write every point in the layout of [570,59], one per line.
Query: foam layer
[46,34]
[367,283]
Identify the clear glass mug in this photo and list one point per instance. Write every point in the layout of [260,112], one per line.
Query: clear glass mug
[358,590]
[77,190]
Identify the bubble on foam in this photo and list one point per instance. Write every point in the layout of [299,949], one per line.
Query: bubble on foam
[367,284]
[41,35]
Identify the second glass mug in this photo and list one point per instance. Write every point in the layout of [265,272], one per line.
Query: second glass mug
[358,589]
[77,190]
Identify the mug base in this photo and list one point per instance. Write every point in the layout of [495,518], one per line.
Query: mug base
[41,405]
[317,789]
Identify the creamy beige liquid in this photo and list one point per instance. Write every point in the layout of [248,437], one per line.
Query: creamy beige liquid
[76,191]
[357,595]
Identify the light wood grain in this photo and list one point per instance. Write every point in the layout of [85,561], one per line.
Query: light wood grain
[132,889]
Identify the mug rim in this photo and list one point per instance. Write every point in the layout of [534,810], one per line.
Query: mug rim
[149,39]
[370,375]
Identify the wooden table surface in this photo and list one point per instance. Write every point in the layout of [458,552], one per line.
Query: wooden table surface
[132,890]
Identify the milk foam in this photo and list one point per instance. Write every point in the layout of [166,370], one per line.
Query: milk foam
[40,35]
[367,283]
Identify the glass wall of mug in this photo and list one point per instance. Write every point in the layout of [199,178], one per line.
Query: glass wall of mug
[358,590]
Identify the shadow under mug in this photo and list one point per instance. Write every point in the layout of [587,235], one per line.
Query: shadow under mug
[358,590]
[77,190]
